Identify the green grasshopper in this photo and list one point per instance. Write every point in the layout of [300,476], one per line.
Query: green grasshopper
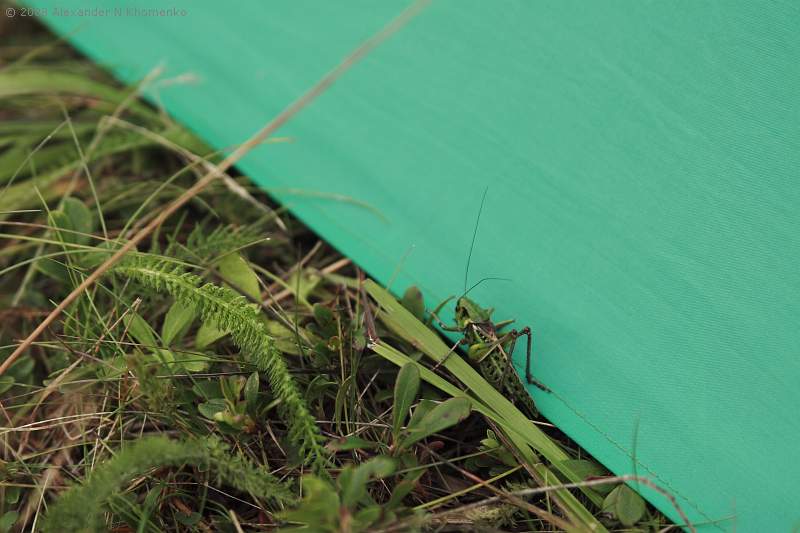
[489,347]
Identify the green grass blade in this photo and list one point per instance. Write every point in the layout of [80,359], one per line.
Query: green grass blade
[33,82]
[520,439]
[402,322]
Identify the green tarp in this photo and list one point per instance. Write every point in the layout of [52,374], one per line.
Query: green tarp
[642,164]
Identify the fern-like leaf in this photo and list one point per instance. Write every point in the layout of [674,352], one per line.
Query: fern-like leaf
[80,509]
[232,312]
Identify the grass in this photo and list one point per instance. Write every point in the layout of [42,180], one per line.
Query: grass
[233,372]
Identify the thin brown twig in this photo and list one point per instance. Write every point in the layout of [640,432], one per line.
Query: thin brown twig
[330,269]
[590,483]
[284,116]
[511,497]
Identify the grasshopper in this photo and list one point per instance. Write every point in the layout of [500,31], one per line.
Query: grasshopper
[489,345]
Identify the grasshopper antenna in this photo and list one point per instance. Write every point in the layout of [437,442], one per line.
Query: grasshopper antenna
[467,291]
[472,245]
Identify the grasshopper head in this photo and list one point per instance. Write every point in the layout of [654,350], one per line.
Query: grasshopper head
[468,312]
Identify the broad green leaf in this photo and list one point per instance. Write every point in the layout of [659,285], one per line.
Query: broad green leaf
[207,389]
[80,220]
[354,487]
[207,335]
[625,504]
[303,285]
[422,409]
[140,330]
[59,221]
[414,302]
[235,270]
[285,339]
[192,361]
[176,322]
[319,509]
[441,417]
[405,392]
[210,408]
[7,520]
[53,269]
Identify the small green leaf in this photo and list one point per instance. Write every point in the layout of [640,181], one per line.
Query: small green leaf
[303,286]
[59,221]
[6,382]
[149,505]
[323,315]
[75,221]
[625,504]
[351,443]
[443,416]
[176,322]
[7,520]
[341,398]
[354,487]
[192,361]
[91,259]
[53,269]
[210,408]
[589,469]
[251,390]
[80,220]
[319,509]
[235,270]
[366,517]
[414,302]
[404,488]
[232,388]
[21,369]
[164,356]
[188,520]
[12,494]
[207,389]
[405,392]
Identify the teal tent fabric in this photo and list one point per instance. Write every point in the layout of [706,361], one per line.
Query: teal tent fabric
[642,163]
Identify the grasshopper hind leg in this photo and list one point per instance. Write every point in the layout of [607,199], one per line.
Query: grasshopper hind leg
[528,375]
